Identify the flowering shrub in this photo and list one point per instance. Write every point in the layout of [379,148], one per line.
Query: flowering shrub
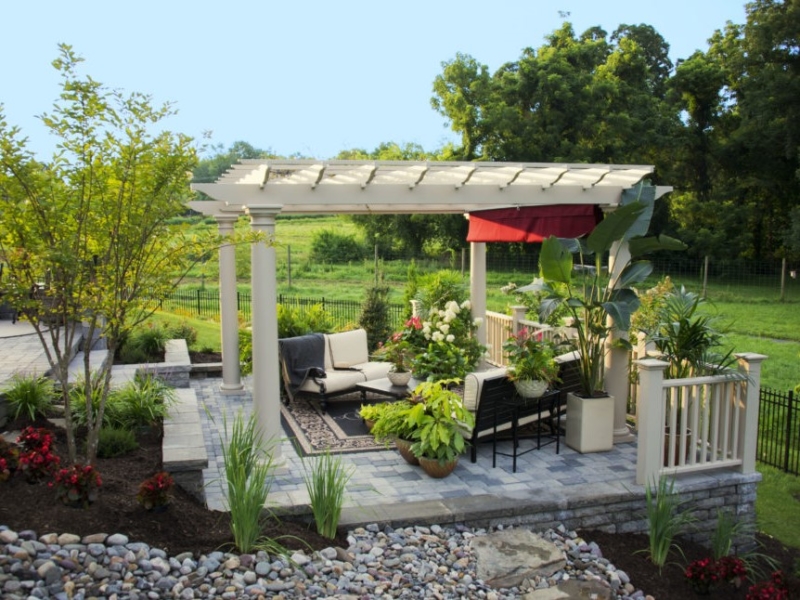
[704,573]
[154,491]
[530,356]
[774,589]
[448,348]
[9,459]
[399,349]
[77,485]
[36,460]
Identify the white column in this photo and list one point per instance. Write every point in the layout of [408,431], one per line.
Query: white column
[649,459]
[750,363]
[229,316]
[477,286]
[616,361]
[266,374]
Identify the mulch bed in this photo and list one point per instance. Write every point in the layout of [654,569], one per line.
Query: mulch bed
[188,526]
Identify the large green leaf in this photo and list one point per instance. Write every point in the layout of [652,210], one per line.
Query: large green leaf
[555,261]
[634,273]
[646,245]
[614,227]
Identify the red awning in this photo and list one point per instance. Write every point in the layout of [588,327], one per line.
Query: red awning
[532,223]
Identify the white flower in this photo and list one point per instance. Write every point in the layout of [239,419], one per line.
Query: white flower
[442,313]
[444,327]
[437,336]
[426,329]
[449,316]
[451,338]
[466,305]
[477,322]
[453,306]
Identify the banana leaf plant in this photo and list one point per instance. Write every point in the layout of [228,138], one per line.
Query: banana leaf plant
[597,306]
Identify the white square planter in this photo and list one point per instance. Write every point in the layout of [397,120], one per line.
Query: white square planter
[590,423]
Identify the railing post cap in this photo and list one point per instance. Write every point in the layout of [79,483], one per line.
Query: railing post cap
[651,364]
[751,357]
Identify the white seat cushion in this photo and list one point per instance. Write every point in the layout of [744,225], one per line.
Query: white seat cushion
[348,348]
[473,383]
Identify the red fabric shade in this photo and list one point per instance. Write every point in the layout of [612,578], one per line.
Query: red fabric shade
[532,223]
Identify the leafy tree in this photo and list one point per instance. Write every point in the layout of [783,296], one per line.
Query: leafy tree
[209,169]
[84,236]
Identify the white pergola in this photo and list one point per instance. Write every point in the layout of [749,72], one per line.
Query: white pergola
[262,189]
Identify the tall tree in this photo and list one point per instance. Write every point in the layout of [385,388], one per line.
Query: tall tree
[85,236]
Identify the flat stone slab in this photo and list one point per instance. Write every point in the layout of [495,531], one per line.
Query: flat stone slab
[572,590]
[509,557]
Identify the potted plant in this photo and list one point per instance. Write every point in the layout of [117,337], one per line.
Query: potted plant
[598,307]
[371,413]
[441,425]
[531,363]
[393,425]
[398,351]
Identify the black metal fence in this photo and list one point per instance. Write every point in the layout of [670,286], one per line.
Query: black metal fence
[204,304]
[779,430]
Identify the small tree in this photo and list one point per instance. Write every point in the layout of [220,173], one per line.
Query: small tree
[85,236]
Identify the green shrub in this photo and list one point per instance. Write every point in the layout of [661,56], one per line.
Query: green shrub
[375,316]
[437,289]
[332,247]
[29,395]
[665,520]
[114,441]
[294,321]
[144,344]
[143,402]
[182,331]
[245,351]
[77,400]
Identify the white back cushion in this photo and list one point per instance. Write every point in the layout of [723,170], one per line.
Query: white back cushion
[348,348]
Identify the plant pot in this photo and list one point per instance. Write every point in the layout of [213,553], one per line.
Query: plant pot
[404,448]
[399,379]
[530,388]
[437,470]
[676,448]
[369,423]
[590,423]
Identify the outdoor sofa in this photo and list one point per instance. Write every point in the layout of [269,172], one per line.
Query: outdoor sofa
[327,364]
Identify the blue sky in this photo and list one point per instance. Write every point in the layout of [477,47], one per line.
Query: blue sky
[302,77]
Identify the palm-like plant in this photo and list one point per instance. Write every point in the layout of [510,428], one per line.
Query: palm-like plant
[598,307]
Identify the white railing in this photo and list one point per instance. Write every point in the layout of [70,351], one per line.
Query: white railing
[499,327]
[697,423]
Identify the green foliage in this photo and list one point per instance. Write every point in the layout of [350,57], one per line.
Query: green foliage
[410,289]
[115,441]
[374,316]
[325,482]
[330,246]
[248,474]
[294,321]
[530,357]
[143,402]
[393,422]
[373,412]
[439,420]
[596,307]
[689,340]
[182,331]
[93,218]
[29,395]
[245,351]
[665,520]
[439,288]
[145,344]
[92,389]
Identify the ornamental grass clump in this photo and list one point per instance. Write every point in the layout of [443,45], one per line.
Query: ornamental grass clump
[325,481]
[248,475]
[29,395]
[77,485]
[665,520]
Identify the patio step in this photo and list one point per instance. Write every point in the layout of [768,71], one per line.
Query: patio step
[183,448]
[97,359]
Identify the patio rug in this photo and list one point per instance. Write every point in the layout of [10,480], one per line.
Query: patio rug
[340,429]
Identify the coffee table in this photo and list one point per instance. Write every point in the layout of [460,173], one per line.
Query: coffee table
[384,387]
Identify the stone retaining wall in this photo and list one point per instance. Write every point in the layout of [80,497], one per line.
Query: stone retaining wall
[613,509]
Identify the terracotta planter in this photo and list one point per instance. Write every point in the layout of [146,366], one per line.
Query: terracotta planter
[437,469]
[404,447]
[399,379]
[530,388]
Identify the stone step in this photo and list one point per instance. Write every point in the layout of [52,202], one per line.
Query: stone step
[183,448]
[97,359]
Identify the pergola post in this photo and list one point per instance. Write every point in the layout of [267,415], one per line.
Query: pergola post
[616,362]
[477,286]
[228,302]
[266,373]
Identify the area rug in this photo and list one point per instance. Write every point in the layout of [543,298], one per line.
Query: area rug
[339,429]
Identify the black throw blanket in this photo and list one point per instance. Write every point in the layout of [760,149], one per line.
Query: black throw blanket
[303,357]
